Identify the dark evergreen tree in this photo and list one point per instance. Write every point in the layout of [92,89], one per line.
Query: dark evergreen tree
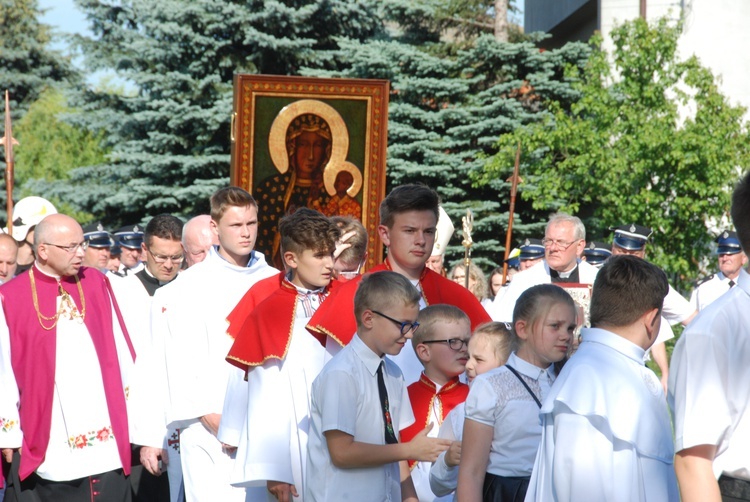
[448,107]
[169,134]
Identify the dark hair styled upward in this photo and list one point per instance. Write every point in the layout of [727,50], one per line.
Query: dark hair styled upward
[307,229]
[408,198]
[626,287]
[163,226]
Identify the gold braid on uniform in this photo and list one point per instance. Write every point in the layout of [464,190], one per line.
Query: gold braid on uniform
[67,306]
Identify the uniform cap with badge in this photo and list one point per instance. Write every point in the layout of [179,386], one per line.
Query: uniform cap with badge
[728,243]
[514,258]
[96,236]
[597,252]
[531,249]
[631,237]
[129,236]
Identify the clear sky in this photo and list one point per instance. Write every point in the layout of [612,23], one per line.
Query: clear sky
[63,16]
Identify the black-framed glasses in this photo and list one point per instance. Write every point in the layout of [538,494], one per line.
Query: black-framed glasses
[72,248]
[159,258]
[454,343]
[405,326]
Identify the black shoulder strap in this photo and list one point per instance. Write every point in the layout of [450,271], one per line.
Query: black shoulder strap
[513,370]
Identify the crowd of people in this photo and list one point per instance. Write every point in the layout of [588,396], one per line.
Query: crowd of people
[190,368]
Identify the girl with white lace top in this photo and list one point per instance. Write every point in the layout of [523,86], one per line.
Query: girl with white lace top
[502,431]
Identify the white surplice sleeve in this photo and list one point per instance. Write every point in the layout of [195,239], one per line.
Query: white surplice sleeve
[10,429]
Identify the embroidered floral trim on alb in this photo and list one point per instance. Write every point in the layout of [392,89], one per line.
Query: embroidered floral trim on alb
[7,424]
[91,438]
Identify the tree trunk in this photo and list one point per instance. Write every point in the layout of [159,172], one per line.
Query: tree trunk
[501,20]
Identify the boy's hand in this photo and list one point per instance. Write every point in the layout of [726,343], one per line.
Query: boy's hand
[426,449]
[282,491]
[453,455]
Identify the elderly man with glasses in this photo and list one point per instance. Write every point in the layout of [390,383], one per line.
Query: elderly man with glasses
[64,368]
[564,242]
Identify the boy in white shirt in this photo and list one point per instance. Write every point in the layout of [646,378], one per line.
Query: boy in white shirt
[360,403]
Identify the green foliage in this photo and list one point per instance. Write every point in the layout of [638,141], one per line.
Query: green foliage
[651,141]
[50,148]
[446,114]
[169,134]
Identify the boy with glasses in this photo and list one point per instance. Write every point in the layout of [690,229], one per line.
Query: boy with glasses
[441,344]
[360,403]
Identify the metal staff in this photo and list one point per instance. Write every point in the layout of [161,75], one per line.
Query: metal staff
[468,226]
[513,189]
[8,141]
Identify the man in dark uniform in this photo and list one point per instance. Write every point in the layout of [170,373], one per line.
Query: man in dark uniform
[731,261]
[130,238]
[100,241]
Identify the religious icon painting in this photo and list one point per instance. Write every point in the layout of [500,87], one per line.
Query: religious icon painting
[310,142]
[581,294]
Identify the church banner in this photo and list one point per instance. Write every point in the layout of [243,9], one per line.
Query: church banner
[310,142]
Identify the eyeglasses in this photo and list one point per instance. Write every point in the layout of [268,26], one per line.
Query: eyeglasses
[159,258]
[563,245]
[72,248]
[405,326]
[454,343]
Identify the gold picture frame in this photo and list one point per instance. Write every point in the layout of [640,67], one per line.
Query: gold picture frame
[341,170]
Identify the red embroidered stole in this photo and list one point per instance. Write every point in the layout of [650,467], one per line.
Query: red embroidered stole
[423,399]
[267,332]
[335,318]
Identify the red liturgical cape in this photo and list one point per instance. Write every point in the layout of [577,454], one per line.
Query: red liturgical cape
[254,296]
[423,398]
[33,352]
[335,317]
[267,332]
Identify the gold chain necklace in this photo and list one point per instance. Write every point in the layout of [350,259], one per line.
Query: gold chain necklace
[66,300]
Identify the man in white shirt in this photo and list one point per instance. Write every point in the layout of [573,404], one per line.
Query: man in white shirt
[190,374]
[708,387]
[163,250]
[606,431]
[564,241]
[731,261]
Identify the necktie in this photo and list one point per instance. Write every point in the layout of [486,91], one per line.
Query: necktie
[390,436]
[731,284]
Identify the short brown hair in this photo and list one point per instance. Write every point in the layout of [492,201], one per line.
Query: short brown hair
[626,287]
[408,198]
[500,337]
[353,255]
[382,290]
[164,226]
[227,197]
[430,316]
[307,229]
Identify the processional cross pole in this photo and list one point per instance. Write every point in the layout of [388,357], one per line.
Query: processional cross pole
[8,141]
[513,189]
[468,227]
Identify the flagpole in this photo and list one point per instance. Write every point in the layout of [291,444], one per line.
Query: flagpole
[8,142]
